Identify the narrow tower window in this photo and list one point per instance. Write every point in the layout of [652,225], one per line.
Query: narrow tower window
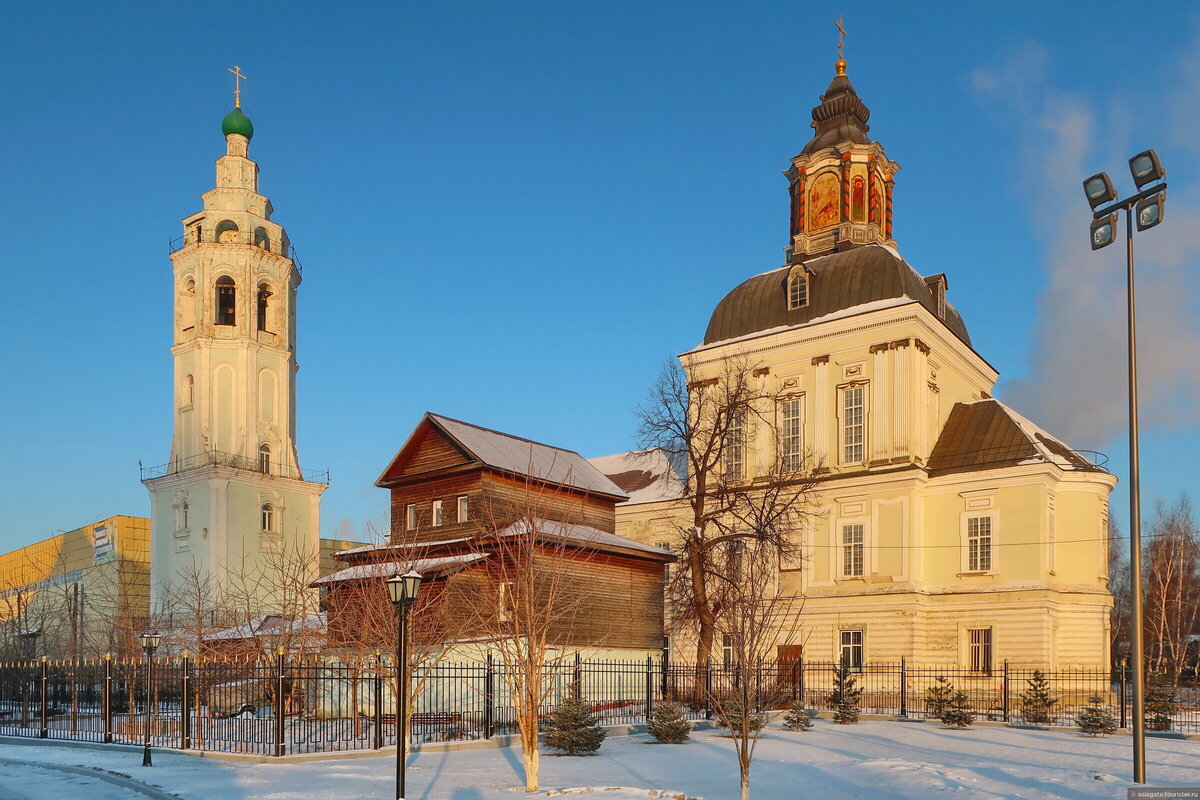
[261,239]
[181,521]
[735,446]
[227,231]
[790,435]
[187,394]
[264,458]
[226,300]
[268,517]
[264,296]
[852,425]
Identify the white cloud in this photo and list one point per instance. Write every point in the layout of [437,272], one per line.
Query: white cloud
[1076,385]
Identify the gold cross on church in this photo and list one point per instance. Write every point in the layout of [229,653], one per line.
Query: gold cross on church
[841,35]
[238,77]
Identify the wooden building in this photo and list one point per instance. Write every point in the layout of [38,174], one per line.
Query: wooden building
[475,511]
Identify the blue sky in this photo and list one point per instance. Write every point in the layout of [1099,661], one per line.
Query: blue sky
[513,213]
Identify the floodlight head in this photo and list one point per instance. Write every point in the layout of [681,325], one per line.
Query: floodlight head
[1146,168]
[1149,211]
[1099,190]
[1104,231]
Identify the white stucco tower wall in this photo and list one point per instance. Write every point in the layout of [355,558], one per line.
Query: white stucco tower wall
[232,502]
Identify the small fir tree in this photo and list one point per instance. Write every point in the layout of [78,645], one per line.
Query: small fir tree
[1036,702]
[797,718]
[1095,718]
[731,714]
[573,728]
[1160,703]
[845,698]
[667,723]
[938,697]
[957,713]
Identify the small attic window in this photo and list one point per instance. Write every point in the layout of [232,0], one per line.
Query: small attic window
[797,291]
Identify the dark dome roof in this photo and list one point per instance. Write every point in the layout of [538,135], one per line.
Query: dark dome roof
[841,117]
[839,281]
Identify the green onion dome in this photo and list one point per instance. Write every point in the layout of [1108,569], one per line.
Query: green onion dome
[237,122]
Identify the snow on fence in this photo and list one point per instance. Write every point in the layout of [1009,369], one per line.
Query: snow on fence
[280,707]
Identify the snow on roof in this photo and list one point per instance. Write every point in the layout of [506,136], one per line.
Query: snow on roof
[367,548]
[852,311]
[526,457]
[386,569]
[584,535]
[270,625]
[1040,439]
[647,476]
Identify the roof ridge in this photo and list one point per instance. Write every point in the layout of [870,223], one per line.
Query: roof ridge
[500,433]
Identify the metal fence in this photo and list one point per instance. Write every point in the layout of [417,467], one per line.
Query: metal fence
[280,707]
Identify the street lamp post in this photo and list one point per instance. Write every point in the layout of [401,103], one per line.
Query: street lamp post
[403,591]
[1148,205]
[150,642]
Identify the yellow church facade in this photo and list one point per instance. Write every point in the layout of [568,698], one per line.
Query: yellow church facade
[943,526]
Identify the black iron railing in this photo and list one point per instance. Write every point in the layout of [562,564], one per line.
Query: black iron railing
[266,467]
[282,706]
[236,237]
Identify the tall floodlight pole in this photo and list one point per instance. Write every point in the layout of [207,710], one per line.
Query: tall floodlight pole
[403,591]
[150,641]
[1148,204]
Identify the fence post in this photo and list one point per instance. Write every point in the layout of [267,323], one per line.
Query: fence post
[708,688]
[803,693]
[577,676]
[841,677]
[185,708]
[489,700]
[1124,679]
[45,732]
[649,686]
[1005,692]
[377,717]
[279,703]
[903,687]
[106,699]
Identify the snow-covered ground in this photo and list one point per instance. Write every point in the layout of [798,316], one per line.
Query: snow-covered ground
[870,760]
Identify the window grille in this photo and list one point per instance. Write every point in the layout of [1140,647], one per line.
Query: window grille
[981,649]
[852,649]
[852,549]
[979,544]
[791,435]
[852,425]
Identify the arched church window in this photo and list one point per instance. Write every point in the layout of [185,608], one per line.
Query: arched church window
[264,458]
[227,231]
[262,239]
[187,306]
[264,296]
[181,519]
[268,517]
[858,200]
[187,394]
[797,291]
[226,301]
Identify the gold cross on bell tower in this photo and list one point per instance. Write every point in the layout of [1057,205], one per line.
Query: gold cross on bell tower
[841,62]
[238,77]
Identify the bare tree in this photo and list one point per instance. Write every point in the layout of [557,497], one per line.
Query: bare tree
[736,491]
[1172,577]
[1120,585]
[758,615]
[527,602]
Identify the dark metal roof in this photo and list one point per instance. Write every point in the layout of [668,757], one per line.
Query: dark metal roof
[988,434]
[838,281]
[841,117]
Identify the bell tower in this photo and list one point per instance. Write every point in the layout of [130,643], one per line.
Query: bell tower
[841,182]
[233,499]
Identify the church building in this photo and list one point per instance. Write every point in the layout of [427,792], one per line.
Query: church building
[233,493]
[946,528]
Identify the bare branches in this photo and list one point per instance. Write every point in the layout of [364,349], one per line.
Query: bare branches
[1172,576]
[745,486]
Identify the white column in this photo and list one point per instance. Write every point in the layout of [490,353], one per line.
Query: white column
[822,422]
[901,414]
[880,400]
